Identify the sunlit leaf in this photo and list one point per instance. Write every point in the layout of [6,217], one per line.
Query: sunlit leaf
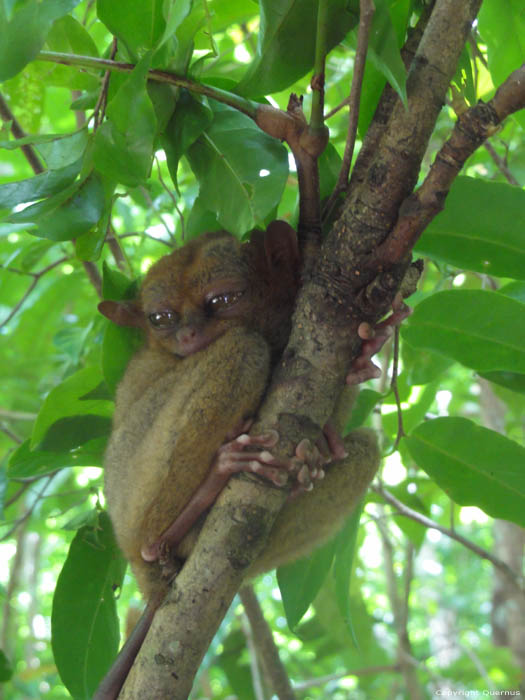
[240,184]
[140,27]
[43,185]
[383,49]
[25,462]
[345,546]
[84,623]
[285,54]
[68,399]
[300,581]
[123,146]
[24,30]
[65,215]
[474,465]
[474,234]
[483,330]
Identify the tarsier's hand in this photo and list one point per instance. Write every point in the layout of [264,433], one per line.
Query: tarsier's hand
[301,470]
[374,337]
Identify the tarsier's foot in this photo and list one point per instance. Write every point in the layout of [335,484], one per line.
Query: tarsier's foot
[374,337]
[232,458]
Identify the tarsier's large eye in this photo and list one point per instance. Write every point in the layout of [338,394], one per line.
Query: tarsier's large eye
[222,301]
[163,319]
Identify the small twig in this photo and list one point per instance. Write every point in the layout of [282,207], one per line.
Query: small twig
[317,83]
[249,635]
[100,107]
[172,197]
[94,277]
[10,433]
[134,234]
[427,522]
[366,14]
[367,671]
[266,649]
[17,415]
[501,164]
[240,103]
[395,389]
[36,277]
[116,250]
[17,131]
[30,510]
[17,495]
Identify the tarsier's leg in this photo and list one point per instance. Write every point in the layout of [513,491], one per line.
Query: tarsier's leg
[374,337]
[232,458]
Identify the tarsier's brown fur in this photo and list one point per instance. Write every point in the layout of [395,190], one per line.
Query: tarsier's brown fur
[186,390]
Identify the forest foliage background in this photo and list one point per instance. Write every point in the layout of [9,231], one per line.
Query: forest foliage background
[87,204]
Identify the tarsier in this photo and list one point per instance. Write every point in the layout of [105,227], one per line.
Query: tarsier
[216,314]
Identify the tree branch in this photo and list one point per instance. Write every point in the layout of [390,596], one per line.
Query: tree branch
[240,103]
[324,340]
[472,128]
[397,606]
[265,645]
[427,522]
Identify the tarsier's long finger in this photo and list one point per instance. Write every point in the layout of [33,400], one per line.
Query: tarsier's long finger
[268,439]
[374,337]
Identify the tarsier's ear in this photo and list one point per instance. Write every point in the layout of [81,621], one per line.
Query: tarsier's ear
[123,313]
[280,244]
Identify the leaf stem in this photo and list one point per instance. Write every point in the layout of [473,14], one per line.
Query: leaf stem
[240,103]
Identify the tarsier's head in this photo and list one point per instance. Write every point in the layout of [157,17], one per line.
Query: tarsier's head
[191,297]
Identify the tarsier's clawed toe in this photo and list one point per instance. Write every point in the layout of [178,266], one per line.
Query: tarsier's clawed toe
[374,337]
[307,466]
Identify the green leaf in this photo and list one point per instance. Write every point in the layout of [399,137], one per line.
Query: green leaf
[84,622]
[345,547]
[66,215]
[123,146]
[514,290]
[502,26]
[300,581]
[139,27]
[43,185]
[6,669]
[191,117]
[67,399]
[422,366]
[116,285]
[29,254]
[285,53]
[383,50]
[25,463]
[481,329]
[241,185]
[473,465]
[510,380]
[24,31]
[70,432]
[414,414]
[69,36]
[481,228]
[364,405]
[119,346]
